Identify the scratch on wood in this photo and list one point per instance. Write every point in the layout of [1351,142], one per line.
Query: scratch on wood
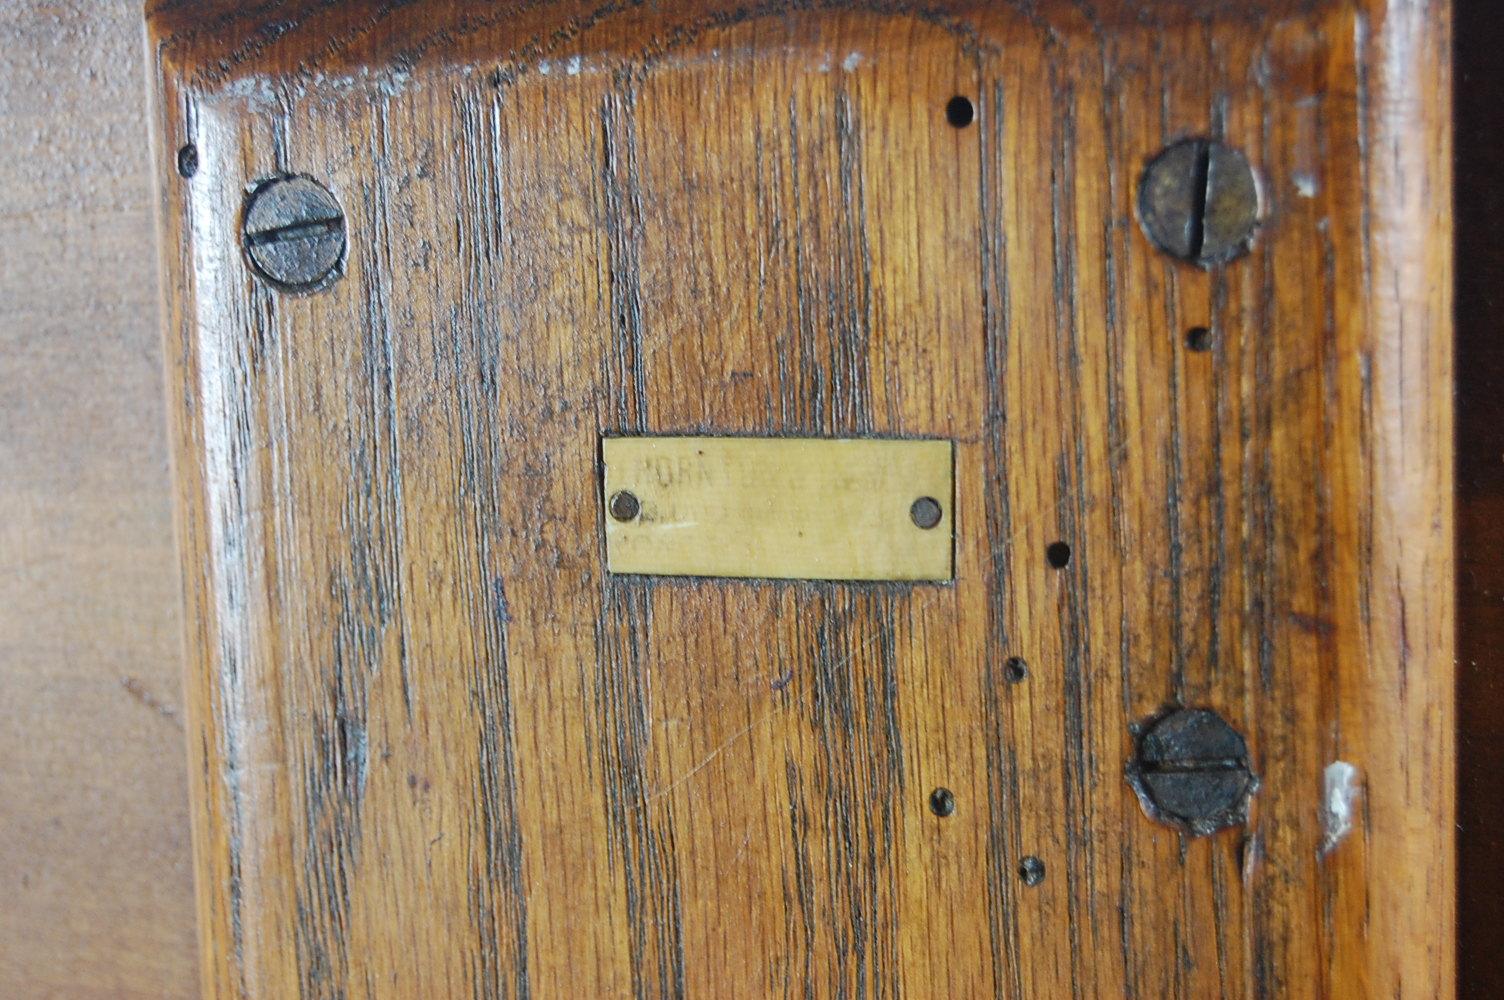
[138,691]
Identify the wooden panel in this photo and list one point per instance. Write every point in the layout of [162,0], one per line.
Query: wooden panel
[779,508]
[96,894]
[444,752]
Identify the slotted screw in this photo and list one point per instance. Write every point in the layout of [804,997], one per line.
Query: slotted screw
[1191,770]
[294,233]
[1199,201]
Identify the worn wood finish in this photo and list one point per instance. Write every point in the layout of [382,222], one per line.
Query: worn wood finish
[96,884]
[440,752]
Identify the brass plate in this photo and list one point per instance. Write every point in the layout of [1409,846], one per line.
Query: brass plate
[778,508]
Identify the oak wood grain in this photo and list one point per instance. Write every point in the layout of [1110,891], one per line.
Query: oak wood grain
[441,752]
[96,891]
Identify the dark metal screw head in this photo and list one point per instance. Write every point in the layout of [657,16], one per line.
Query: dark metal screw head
[1192,771]
[1031,870]
[625,506]
[1199,201]
[925,512]
[1016,670]
[294,233]
[942,802]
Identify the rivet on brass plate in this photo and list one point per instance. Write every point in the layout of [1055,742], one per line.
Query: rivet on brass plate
[624,506]
[925,512]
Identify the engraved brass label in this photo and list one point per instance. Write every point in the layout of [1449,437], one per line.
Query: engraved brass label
[780,508]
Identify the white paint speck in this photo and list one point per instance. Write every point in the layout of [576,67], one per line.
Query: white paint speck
[544,67]
[1341,795]
[1305,184]
[851,62]
[573,66]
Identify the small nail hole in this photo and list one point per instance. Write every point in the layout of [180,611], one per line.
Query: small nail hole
[188,161]
[1059,555]
[925,512]
[625,506]
[1198,338]
[1016,670]
[1031,870]
[942,802]
[959,111]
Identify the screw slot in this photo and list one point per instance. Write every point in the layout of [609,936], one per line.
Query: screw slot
[960,112]
[294,233]
[925,512]
[942,802]
[1031,870]
[625,506]
[188,161]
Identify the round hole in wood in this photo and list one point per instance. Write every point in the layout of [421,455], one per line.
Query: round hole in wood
[960,112]
[1198,338]
[188,161]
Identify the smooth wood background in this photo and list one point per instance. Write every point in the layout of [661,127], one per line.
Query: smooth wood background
[96,895]
[439,752]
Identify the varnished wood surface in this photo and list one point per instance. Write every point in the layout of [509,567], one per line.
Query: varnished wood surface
[96,891]
[442,753]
